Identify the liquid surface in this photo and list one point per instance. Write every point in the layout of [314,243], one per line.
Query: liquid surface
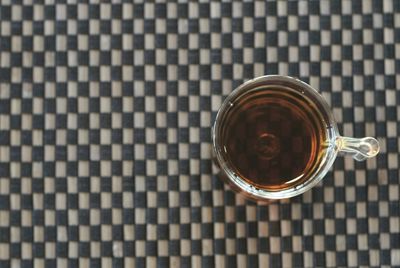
[273,138]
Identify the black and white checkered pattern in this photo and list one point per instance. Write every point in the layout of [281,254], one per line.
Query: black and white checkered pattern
[105,115]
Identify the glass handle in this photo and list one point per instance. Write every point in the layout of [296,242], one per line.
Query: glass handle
[360,149]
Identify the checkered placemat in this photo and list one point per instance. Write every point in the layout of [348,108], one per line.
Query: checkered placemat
[105,116]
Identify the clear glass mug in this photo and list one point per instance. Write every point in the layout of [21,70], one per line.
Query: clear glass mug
[271,146]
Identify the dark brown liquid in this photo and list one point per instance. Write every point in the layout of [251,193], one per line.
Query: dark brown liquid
[273,138]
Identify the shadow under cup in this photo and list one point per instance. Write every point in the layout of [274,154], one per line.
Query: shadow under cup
[274,137]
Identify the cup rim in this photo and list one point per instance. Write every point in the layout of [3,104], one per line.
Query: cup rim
[329,157]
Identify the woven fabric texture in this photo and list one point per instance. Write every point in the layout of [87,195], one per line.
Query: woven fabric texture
[105,147]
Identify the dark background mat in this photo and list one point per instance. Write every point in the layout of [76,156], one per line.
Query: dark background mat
[105,115]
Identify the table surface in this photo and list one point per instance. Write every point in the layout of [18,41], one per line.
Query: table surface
[105,116]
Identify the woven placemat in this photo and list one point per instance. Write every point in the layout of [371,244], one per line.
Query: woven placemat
[105,116]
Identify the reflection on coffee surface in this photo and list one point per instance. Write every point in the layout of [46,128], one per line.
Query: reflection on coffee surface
[273,137]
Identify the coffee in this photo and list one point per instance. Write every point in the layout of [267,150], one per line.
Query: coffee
[273,137]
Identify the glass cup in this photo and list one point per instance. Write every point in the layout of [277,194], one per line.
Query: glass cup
[268,148]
